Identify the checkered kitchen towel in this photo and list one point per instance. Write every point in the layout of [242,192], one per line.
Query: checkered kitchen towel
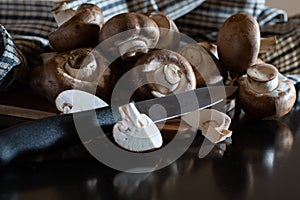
[25,25]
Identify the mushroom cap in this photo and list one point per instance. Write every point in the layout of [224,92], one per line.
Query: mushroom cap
[264,104]
[81,30]
[129,33]
[164,72]
[238,42]
[79,68]
[207,67]
[169,36]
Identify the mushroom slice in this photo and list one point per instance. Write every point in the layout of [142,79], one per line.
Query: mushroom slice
[136,132]
[71,101]
[213,124]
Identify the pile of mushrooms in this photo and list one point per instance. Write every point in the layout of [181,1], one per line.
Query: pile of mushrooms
[264,93]
[149,45]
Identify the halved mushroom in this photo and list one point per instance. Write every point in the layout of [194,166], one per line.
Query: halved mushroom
[206,67]
[213,124]
[76,29]
[71,101]
[163,72]
[80,68]
[264,93]
[128,35]
[169,36]
[136,132]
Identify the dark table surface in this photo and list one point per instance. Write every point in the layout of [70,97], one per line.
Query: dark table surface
[262,162]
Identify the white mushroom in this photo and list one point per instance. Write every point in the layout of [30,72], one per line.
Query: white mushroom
[213,124]
[71,101]
[136,132]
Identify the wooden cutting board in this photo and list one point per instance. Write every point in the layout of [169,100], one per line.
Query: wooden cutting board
[23,103]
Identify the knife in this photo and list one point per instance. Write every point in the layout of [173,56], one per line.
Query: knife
[59,132]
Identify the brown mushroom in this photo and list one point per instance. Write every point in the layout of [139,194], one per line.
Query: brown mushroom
[81,69]
[206,66]
[163,72]
[169,34]
[80,30]
[264,93]
[128,35]
[212,48]
[238,42]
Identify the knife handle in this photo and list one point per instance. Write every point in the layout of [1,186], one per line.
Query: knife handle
[51,133]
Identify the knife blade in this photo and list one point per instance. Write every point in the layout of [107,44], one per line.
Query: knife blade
[59,132]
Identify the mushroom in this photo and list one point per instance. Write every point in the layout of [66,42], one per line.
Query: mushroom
[169,37]
[136,132]
[212,48]
[213,124]
[238,42]
[206,66]
[81,68]
[264,93]
[163,72]
[129,35]
[76,29]
[62,13]
[71,101]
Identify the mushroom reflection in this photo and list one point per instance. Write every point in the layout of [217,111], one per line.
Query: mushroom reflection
[263,142]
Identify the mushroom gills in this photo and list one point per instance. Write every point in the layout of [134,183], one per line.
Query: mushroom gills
[136,132]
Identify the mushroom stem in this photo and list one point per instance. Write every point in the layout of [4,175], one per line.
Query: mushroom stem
[268,44]
[131,114]
[131,48]
[262,78]
[62,13]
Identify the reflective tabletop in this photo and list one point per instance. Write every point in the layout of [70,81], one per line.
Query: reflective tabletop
[260,161]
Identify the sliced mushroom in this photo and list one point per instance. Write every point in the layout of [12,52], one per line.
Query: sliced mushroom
[129,35]
[71,101]
[136,132]
[80,30]
[264,93]
[164,72]
[213,124]
[81,69]
[169,37]
[207,68]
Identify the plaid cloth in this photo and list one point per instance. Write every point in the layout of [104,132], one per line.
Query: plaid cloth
[25,25]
